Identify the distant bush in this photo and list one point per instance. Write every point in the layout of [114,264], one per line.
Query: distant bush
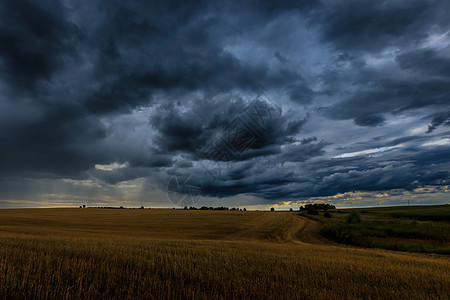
[343,234]
[221,208]
[272,209]
[312,211]
[353,217]
[317,206]
[327,214]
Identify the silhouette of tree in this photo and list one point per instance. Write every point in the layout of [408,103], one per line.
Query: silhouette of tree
[312,211]
[317,206]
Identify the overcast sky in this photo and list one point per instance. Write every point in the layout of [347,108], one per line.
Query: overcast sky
[224,103]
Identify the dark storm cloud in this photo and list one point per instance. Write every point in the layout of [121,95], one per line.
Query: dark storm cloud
[50,142]
[374,25]
[390,96]
[438,120]
[369,120]
[147,47]
[309,140]
[301,93]
[358,28]
[189,132]
[34,37]
[135,50]
[109,92]
[211,71]
[361,173]
[425,61]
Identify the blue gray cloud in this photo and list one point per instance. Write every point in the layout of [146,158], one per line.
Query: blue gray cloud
[260,101]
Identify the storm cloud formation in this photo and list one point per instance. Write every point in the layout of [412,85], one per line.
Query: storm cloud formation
[108,100]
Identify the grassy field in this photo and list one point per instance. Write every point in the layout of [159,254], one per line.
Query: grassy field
[178,254]
[409,228]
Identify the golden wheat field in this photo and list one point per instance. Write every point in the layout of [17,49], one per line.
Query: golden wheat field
[178,254]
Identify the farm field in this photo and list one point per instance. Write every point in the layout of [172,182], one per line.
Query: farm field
[409,228]
[179,254]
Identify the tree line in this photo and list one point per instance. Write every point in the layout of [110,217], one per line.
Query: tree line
[215,208]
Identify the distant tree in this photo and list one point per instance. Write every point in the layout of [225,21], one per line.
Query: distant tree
[185,207]
[81,206]
[353,217]
[206,208]
[317,206]
[221,208]
[84,205]
[312,211]
[272,209]
[290,209]
[142,207]
[245,209]
[121,207]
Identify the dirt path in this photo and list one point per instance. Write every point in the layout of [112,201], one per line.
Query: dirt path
[282,227]
[310,233]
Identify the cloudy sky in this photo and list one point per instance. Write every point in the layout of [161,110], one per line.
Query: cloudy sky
[249,103]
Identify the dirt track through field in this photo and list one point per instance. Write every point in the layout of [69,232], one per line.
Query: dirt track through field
[282,227]
[310,233]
